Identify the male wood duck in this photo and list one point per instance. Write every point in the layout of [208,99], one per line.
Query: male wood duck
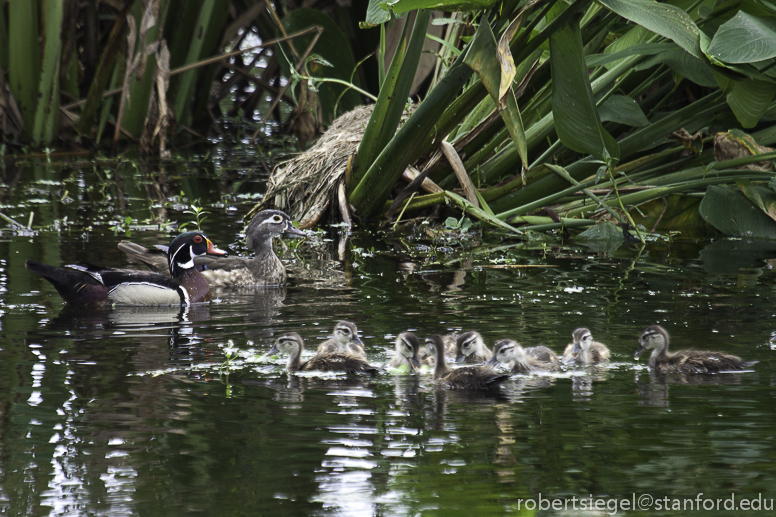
[656,338]
[344,341]
[524,360]
[85,283]
[584,351]
[466,378]
[470,348]
[264,269]
[407,348]
[293,345]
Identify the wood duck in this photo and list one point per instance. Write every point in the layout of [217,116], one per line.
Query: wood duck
[344,341]
[584,351]
[264,269]
[85,283]
[470,348]
[407,348]
[293,345]
[656,338]
[466,378]
[524,360]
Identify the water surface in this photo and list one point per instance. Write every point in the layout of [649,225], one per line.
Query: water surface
[149,411]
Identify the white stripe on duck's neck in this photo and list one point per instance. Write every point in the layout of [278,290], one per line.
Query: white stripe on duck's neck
[181,265]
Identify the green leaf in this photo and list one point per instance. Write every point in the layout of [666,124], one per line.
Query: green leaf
[623,110]
[730,212]
[644,49]
[605,237]
[481,57]
[664,19]
[762,197]
[375,15]
[576,119]
[402,6]
[744,39]
[683,64]
[749,99]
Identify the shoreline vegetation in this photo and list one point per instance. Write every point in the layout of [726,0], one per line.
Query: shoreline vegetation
[609,120]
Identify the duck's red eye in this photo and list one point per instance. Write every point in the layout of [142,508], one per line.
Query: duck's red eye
[197,239]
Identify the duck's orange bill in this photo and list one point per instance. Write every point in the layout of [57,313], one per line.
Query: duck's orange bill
[212,250]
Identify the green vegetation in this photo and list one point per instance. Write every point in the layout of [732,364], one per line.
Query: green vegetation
[595,109]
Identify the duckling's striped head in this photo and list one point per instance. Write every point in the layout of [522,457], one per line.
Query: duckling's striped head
[345,332]
[654,338]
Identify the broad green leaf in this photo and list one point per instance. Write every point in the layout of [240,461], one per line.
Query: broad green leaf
[744,39]
[481,57]
[576,119]
[643,49]
[676,213]
[749,99]
[402,6]
[664,19]
[634,38]
[604,237]
[683,64]
[375,15]
[730,212]
[623,110]
[762,197]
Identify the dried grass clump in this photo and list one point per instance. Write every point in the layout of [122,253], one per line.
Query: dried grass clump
[304,187]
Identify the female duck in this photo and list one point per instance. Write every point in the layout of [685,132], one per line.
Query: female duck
[584,351]
[407,348]
[264,269]
[470,348]
[656,338]
[344,341]
[466,378]
[524,360]
[85,283]
[293,345]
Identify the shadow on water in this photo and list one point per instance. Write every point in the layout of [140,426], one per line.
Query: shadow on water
[168,411]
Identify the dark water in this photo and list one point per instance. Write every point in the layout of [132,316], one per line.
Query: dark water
[149,411]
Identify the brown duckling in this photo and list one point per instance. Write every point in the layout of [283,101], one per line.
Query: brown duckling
[525,360]
[293,345]
[470,348]
[450,349]
[264,269]
[344,341]
[584,351]
[407,347]
[466,378]
[656,338]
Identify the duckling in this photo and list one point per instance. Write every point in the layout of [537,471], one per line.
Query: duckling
[344,341]
[450,349]
[584,351]
[407,347]
[466,378]
[293,345]
[526,360]
[470,348]
[656,338]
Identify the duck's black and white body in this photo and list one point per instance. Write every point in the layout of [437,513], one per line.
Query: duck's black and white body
[293,345]
[85,283]
[524,360]
[264,269]
[470,348]
[465,378]
[406,352]
[584,351]
[344,341]
[656,338]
